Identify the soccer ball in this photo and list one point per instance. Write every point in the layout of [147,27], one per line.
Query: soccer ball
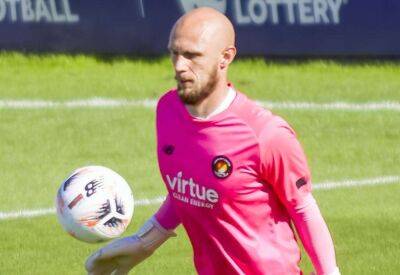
[94,204]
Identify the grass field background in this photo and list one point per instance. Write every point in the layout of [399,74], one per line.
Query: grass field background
[40,147]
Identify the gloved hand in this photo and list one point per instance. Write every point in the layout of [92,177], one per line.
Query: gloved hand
[120,256]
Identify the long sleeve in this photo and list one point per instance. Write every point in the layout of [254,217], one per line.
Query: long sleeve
[286,169]
[166,215]
[315,236]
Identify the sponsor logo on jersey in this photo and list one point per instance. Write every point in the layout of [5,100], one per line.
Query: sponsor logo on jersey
[221,167]
[188,191]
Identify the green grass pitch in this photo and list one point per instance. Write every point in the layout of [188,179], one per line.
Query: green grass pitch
[39,147]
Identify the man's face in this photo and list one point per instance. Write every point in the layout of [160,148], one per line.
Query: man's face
[196,66]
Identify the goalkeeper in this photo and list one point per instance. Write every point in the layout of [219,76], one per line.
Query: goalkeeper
[236,175]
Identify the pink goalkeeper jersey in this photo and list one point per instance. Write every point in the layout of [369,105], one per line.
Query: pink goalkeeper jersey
[231,181]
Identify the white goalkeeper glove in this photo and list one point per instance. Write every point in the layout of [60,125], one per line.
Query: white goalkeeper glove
[120,256]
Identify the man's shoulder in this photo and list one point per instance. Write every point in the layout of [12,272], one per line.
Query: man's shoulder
[273,133]
[260,119]
[166,99]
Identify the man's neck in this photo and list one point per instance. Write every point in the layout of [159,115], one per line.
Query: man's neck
[208,105]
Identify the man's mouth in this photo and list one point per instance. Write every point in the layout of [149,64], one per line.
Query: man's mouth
[185,81]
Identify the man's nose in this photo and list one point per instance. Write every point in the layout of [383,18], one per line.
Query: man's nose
[180,64]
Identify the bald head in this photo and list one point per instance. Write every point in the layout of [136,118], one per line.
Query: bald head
[208,26]
[202,45]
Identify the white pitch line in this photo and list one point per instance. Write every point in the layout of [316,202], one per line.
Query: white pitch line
[343,106]
[151,103]
[76,104]
[356,183]
[26,213]
[30,213]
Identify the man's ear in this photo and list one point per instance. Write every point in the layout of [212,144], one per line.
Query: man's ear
[227,56]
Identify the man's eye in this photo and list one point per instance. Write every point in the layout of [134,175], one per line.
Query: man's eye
[190,55]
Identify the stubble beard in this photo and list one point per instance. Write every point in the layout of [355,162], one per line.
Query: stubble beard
[198,94]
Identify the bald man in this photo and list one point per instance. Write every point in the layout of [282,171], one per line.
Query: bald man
[236,176]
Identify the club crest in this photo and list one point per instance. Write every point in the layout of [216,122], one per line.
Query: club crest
[221,167]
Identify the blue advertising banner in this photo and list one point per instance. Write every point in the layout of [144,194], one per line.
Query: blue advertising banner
[264,27]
